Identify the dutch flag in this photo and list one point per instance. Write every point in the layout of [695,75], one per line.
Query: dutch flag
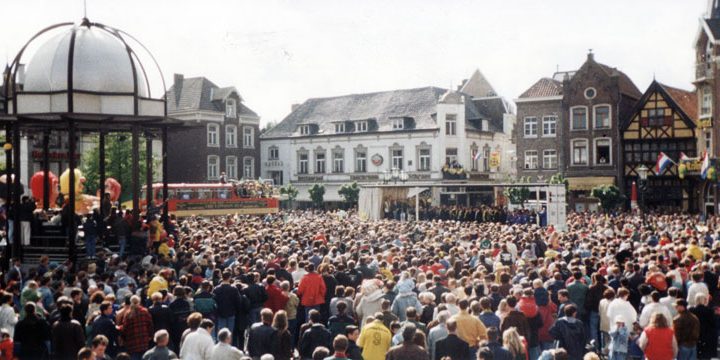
[663,161]
[705,166]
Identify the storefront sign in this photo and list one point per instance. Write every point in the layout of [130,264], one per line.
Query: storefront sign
[705,123]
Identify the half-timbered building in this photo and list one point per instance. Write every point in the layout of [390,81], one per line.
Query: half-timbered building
[663,120]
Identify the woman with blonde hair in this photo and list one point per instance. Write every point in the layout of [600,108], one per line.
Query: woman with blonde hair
[513,342]
[658,339]
[503,309]
[282,339]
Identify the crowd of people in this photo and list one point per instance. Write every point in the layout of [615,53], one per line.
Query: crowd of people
[324,285]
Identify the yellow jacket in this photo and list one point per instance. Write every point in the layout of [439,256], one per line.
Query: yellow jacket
[156,284]
[469,328]
[375,340]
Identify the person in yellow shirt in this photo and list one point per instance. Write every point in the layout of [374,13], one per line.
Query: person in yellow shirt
[695,251]
[375,339]
[160,281]
[469,328]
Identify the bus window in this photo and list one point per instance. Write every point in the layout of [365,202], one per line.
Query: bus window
[223,194]
[171,194]
[204,194]
[185,194]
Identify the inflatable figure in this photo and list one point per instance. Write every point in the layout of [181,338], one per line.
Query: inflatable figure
[83,202]
[113,188]
[38,190]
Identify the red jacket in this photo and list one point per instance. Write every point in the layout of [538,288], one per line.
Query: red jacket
[546,313]
[6,349]
[312,290]
[276,299]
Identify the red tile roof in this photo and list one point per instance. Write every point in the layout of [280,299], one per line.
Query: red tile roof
[543,88]
[686,100]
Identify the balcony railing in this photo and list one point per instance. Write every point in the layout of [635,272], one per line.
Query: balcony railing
[274,163]
[703,71]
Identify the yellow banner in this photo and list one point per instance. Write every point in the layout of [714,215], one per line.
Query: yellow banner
[705,123]
[494,159]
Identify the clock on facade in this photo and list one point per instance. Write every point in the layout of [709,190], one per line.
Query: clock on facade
[377,159]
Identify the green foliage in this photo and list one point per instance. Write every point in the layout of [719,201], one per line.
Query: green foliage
[118,164]
[518,194]
[558,179]
[609,195]
[350,193]
[317,194]
[291,192]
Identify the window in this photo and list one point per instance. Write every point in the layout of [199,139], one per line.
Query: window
[531,126]
[273,153]
[531,159]
[212,134]
[590,93]
[248,137]
[656,118]
[397,158]
[579,118]
[706,104]
[579,152]
[361,126]
[451,156]
[231,167]
[338,161]
[424,159]
[231,108]
[303,163]
[474,156]
[249,167]
[213,164]
[304,129]
[360,160]
[231,136]
[398,124]
[549,159]
[602,117]
[486,158]
[603,156]
[708,140]
[450,124]
[320,162]
[549,126]
[339,128]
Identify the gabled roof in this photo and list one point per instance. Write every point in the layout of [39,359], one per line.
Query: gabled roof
[682,101]
[493,109]
[477,86]
[544,87]
[199,93]
[627,87]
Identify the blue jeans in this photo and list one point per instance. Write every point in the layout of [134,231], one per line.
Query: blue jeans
[687,353]
[90,245]
[225,323]
[595,328]
[254,315]
[122,241]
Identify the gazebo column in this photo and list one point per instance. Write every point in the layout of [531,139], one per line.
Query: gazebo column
[17,232]
[135,175]
[149,191]
[8,193]
[72,227]
[101,170]
[46,170]
[165,170]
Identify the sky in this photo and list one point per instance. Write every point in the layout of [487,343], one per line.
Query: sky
[282,52]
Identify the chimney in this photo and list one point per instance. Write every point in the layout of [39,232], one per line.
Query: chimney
[591,56]
[177,85]
[294,107]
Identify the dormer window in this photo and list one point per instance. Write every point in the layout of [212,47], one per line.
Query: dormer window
[339,128]
[304,129]
[361,126]
[398,124]
[230,108]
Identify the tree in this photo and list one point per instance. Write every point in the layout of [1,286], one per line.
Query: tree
[291,192]
[518,194]
[609,195]
[118,164]
[317,194]
[350,193]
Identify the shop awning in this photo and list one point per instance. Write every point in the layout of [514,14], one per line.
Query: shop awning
[587,183]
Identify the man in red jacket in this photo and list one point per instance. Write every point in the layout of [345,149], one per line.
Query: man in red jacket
[276,299]
[311,290]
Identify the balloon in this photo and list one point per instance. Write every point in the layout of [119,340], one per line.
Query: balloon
[83,203]
[113,188]
[38,189]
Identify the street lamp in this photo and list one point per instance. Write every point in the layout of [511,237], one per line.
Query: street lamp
[385,176]
[642,172]
[404,176]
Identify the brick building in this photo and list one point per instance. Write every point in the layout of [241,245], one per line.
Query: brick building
[224,140]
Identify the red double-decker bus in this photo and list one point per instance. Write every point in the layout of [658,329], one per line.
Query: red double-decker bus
[213,199]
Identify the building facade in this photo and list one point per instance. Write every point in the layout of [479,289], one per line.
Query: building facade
[225,136]
[664,120]
[338,140]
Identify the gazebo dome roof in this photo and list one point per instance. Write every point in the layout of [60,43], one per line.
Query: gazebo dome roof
[101,63]
[87,68]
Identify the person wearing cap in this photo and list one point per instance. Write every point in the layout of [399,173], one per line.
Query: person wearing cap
[618,346]
[687,331]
